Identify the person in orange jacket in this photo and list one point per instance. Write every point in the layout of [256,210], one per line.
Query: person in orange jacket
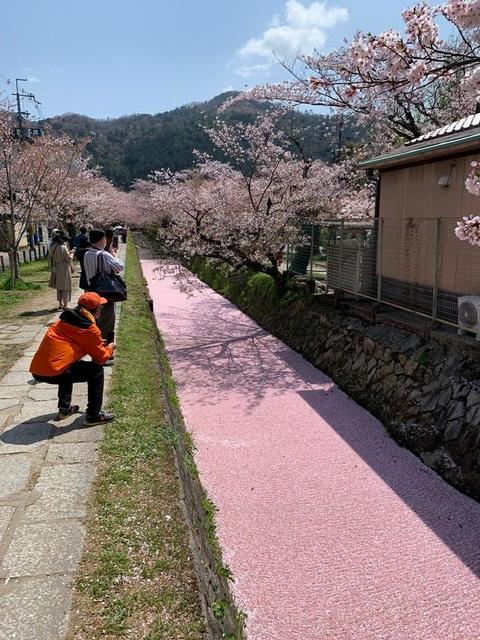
[58,359]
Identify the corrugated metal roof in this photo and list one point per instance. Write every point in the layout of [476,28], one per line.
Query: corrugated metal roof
[460,125]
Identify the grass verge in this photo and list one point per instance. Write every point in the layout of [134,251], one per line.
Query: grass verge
[33,278]
[136,578]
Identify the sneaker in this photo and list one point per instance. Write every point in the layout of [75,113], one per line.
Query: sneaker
[65,413]
[109,362]
[102,418]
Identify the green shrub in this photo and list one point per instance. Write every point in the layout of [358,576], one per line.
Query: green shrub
[260,290]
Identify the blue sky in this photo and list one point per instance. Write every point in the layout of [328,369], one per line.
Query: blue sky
[106,58]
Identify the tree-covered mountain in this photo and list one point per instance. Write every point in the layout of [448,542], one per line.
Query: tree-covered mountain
[133,146]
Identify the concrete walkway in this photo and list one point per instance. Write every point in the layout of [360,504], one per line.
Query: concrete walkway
[331,530]
[45,475]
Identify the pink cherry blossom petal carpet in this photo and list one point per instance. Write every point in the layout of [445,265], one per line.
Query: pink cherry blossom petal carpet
[332,531]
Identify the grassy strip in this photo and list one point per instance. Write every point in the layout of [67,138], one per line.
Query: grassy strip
[34,277]
[136,579]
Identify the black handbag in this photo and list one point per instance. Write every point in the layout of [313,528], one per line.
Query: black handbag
[107,284]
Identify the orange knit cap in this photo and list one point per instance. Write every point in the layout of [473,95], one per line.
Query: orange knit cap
[90,300]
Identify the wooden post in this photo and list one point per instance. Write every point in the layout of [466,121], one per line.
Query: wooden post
[2,263]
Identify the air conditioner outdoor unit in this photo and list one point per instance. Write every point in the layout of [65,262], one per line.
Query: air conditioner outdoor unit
[469,314]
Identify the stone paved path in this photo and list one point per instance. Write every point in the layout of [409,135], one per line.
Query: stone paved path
[45,475]
[332,531]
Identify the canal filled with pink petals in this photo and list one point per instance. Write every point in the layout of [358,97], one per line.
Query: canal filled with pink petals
[331,530]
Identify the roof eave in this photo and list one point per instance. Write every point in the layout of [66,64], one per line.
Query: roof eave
[413,155]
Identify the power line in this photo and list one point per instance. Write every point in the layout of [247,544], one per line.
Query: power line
[39,112]
[6,81]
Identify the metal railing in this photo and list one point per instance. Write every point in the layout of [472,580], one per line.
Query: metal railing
[26,254]
[416,264]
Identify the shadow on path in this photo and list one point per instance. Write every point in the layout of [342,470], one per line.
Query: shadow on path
[452,516]
[37,314]
[210,340]
[26,433]
[228,351]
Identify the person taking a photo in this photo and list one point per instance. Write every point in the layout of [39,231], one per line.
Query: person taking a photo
[58,359]
[96,259]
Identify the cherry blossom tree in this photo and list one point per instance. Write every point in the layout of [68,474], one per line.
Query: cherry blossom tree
[404,83]
[409,82]
[468,228]
[100,203]
[58,202]
[49,180]
[245,210]
[35,181]
[140,207]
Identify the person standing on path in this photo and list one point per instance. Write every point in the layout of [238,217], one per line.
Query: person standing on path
[116,238]
[58,359]
[97,258]
[61,270]
[80,252]
[81,238]
[109,240]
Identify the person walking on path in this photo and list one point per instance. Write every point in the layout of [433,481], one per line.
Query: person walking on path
[61,270]
[58,359]
[96,258]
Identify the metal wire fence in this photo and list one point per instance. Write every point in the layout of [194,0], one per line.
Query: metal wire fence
[416,264]
[309,258]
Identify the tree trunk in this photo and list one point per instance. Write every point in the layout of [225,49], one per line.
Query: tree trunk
[13,253]
[281,279]
[13,258]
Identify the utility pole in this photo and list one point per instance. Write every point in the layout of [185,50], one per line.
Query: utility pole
[14,241]
[337,144]
[20,114]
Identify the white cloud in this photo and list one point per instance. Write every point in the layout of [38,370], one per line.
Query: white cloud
[228,88]
[248,70]
[302,29]
[33,79]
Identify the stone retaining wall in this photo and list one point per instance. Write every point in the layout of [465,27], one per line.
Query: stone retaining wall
[425,390]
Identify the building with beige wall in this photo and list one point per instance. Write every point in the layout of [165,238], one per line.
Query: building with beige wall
[420,263]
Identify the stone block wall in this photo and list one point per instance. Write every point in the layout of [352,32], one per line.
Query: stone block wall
[419,387]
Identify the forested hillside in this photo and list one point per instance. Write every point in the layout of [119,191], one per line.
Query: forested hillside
[133,146]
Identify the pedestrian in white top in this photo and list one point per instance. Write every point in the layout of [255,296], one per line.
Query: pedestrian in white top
[106,321]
